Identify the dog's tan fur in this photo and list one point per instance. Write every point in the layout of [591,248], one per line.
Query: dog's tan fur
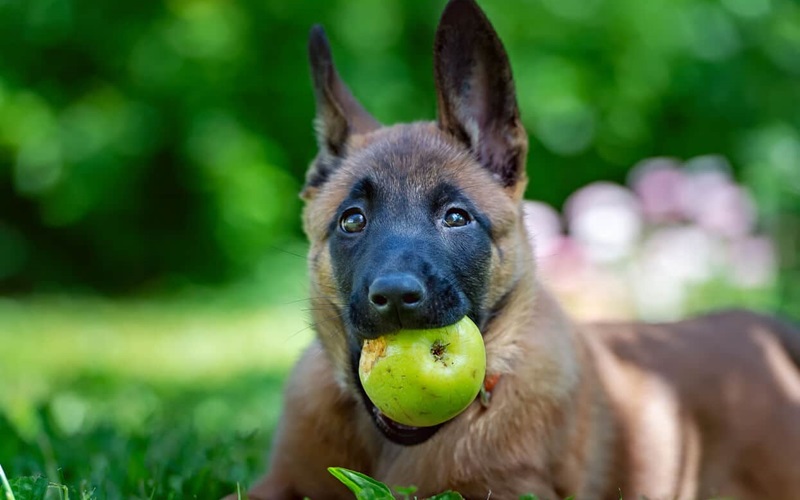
[700,408]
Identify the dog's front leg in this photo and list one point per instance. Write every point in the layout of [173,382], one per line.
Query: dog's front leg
[321,426]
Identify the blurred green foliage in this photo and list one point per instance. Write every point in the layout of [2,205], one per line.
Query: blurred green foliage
[144,144]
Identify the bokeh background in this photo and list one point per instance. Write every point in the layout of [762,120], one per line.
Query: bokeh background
[152,276]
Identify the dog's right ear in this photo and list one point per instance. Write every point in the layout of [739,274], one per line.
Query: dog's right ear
[339,114]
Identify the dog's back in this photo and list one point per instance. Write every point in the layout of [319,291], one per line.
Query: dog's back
[705,407]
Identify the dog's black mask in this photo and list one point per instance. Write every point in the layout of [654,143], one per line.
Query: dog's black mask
[407,256]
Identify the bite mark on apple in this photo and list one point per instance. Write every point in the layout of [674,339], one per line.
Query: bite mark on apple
[371,352]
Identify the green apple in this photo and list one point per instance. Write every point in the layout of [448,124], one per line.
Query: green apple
[422,378]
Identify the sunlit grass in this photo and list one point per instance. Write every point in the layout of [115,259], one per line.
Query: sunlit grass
[164,396]
[51,338]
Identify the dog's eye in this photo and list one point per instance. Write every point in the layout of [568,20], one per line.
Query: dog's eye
[353,220]
[456,217]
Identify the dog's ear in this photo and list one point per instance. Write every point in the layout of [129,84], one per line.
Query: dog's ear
[475,92]
[339,114]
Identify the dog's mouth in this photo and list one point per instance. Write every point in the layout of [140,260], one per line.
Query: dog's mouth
[396,432]
[399,433]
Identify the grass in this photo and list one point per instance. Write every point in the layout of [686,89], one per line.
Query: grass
[161,397]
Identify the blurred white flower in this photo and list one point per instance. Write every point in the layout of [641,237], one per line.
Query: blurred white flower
[672,260]
[687,253]
[657,296]
[606,219]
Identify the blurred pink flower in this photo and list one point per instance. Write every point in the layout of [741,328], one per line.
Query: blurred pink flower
[658,183]
[711,198]
[702,179]
[728,211]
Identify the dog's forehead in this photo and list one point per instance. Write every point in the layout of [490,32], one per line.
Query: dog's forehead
[412,159]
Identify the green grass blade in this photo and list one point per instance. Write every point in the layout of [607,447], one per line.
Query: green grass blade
[364,487]
[62,490]
[6,487]
[447,495]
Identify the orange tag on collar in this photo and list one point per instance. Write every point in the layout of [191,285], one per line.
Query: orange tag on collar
[489,384]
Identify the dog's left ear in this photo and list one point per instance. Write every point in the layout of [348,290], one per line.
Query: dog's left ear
[475,92]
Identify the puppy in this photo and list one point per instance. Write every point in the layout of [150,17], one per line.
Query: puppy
[418,225]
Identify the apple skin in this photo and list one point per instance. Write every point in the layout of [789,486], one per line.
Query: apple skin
[422,378]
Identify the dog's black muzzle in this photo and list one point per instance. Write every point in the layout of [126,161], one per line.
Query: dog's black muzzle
[408,289]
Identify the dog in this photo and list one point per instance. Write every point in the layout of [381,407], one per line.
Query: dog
[418,225]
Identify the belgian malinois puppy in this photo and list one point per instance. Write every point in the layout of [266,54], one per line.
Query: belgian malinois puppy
[417,225]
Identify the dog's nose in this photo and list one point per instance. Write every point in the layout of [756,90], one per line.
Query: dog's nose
[396,292]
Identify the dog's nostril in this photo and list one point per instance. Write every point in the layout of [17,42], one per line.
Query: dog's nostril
[378,300]
[411,298]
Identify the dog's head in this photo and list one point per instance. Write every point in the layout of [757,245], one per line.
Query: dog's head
[416,225]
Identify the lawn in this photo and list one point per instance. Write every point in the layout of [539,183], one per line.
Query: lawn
[167,396]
